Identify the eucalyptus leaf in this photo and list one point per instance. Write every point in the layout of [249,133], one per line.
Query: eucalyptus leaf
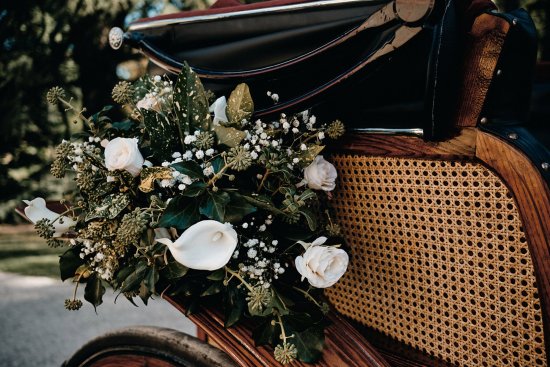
[214,205]
[180,213]
[240,105]
[94,290]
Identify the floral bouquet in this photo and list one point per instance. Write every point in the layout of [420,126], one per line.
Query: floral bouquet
[198,199]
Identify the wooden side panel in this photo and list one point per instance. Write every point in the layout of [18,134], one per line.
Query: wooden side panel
[482,52]
[344,345]
[532,196]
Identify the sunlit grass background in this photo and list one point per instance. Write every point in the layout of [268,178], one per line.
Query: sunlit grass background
[23,252]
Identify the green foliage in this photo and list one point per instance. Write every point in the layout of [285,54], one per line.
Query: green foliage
[94,290]
[180,213]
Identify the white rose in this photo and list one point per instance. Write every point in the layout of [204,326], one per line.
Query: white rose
[124,154]
[320,175]
[36,210]
[206,245]
[321,265]
[149,103]
[218,107]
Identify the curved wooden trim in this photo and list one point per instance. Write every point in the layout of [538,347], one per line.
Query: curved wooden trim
[344,345]
[532,196]
[462,146]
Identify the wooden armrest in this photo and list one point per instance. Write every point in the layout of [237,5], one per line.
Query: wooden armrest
[344,345]
[482,51]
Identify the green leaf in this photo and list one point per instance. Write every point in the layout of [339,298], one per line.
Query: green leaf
[240,105]
[180,213]
[163,133]
[214,206]
[228,136]
[215,288]
[235,305]
[134,279]
[109,208]
[189,168]
[151,278]
[195,189]
[309,343]
[94,290]
[263,202]
[123,125]
[312,151]
[174,270]
[122,274]
[238,208]
[217,275]
[144,293]
[191,102]
[310,217]
[217,164]
[266,333]
[69,262]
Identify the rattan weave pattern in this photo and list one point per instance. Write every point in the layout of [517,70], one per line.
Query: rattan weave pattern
[439,260]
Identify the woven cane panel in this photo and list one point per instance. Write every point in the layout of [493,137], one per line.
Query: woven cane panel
[439,260]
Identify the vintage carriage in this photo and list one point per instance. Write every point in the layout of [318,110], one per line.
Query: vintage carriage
[443,191]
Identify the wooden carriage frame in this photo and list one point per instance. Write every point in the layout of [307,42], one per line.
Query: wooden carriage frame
[508,153]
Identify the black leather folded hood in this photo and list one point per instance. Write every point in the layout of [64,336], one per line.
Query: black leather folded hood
[373,64]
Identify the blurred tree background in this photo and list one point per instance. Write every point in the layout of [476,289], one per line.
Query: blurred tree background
[65,42]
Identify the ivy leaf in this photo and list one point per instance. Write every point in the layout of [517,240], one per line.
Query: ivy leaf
[263,202]
[109,208]
[312,151]
[195,189]
[217,275]
[189,168]
[217,164]
[174,270]
[190,100]
[69,262]
[238,208]
[215,288]
[228,136]
[234,305]
[122,274]
[144,293]
[214,206]
[266,333]
[94,290]
[163,133]
[309,343]
[134,279]
[239,105]
[151,278]
[310,218]
[180,213]
[150,174]
[123,125]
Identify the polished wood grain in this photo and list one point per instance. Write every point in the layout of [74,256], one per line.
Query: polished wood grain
[483,47]
[461,146]
[344,344]
[532,196]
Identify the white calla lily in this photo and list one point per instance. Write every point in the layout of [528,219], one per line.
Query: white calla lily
[36,210]
[206,245]
[218,107]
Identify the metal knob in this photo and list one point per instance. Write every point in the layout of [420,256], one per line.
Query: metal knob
[116,38]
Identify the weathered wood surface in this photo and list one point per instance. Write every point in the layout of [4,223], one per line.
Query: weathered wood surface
[344,347]
[482,52]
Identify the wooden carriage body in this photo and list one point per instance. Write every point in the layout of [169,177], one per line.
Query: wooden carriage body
[449,239]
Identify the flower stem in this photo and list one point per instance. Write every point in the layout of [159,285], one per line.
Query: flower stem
[236,275]
[267,172]
[307,295]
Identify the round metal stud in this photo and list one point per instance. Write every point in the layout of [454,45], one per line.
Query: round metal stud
[513,136]
[116,37]
[514,21]
[499,72]
[483,120]
[545,166]
[413,11]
